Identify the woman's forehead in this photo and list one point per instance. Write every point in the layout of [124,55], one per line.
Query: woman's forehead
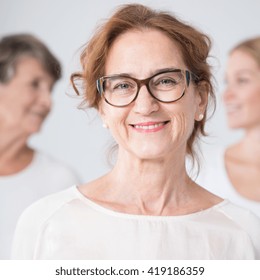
[143,52]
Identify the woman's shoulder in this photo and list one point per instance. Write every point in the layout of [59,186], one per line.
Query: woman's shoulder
[47,205]
[50,165]
[244,220]
[33,219]
[42,158]
[242,216]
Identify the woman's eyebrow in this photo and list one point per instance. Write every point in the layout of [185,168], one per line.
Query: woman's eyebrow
[154,72]
[165,70]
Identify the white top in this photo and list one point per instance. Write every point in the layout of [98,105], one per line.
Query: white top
[42,177]
[213,176]
[67,225]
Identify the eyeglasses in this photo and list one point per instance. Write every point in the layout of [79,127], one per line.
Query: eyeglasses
[166,86]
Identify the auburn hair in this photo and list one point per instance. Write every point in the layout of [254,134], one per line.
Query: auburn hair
[193,45]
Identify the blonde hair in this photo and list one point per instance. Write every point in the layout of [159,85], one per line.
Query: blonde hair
[250,46]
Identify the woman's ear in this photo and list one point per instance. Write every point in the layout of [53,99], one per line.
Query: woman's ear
[202,100]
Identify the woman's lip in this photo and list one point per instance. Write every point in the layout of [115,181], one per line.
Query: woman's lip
[232,108]
[148,127]
[148,123]
[39,114]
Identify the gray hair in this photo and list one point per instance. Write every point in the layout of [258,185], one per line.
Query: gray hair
[15,47]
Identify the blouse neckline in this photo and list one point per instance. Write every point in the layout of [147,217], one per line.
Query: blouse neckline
[118,214]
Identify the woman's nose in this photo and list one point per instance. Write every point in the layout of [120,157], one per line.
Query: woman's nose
[45,97]
[145,103]
[228,94]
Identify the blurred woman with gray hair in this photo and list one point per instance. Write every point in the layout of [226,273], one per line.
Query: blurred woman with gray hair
[28,72]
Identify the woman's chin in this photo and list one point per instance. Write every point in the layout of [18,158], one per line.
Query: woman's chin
[235,125]
[150,154]
[33,128]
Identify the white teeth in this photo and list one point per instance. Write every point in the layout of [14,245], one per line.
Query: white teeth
[152,126]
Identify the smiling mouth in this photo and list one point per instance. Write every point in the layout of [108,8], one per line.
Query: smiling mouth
[149,126]
[231,108]
[41,115]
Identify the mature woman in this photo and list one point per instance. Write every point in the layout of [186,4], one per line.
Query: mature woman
[147,75]
[28,72]
[234,172]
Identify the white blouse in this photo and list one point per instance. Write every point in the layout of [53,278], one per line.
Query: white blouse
[213,176]
[43,176]
[67,225]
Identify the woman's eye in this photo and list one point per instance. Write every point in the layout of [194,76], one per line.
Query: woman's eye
[242,80]
[121,86]
[168,82]
[165,82]
[35,84]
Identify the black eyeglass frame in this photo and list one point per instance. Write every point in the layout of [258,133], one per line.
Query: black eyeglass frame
[188,75]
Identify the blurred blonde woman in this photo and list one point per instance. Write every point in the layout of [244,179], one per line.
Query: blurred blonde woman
[234,172]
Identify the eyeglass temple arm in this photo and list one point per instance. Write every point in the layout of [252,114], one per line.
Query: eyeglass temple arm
[99,87]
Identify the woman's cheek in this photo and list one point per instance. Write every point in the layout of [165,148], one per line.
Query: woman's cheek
[182,126]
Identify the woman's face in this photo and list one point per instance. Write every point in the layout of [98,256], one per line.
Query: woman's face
[242,94]
[26,97]
[148,128]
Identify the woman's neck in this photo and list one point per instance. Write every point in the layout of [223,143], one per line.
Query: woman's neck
[150,185]
[15,155]
[249,147]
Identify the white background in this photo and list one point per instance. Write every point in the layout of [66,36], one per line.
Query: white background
[77,137]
